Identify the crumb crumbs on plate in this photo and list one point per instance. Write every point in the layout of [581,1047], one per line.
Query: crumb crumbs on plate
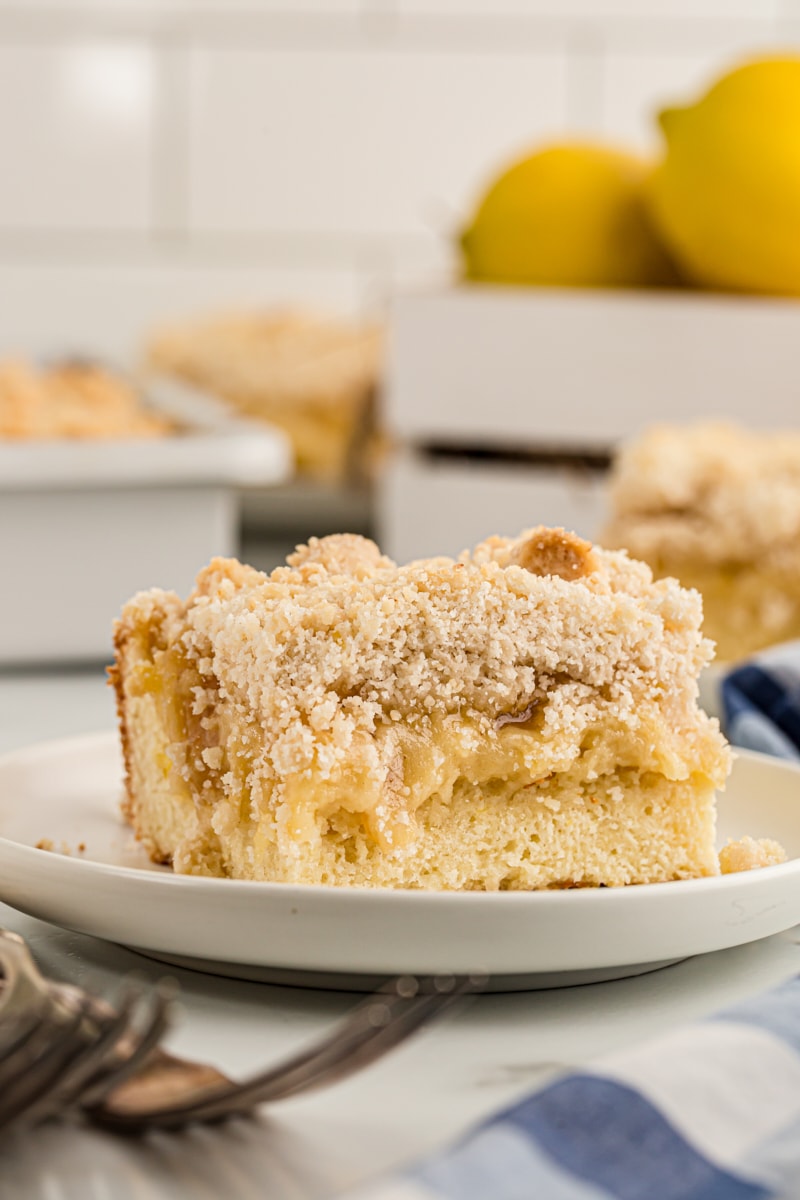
[49,844]
[748,854]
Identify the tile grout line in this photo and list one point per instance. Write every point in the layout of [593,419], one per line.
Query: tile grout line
[171,147]
[378,27]
[182,249]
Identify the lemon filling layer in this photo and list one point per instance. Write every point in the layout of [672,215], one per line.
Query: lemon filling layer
[446,770]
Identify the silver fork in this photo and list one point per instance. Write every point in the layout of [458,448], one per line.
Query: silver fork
[53,1046]
[98,1062]
[370,1031]
[115,1087]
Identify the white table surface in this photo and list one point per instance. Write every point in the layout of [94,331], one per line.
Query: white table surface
[430,1090]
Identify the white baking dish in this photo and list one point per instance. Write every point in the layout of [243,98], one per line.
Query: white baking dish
[84,525]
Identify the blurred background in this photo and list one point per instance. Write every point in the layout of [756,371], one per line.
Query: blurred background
[264,204]
[162,157]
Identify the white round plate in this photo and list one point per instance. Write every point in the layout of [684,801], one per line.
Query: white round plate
[99,881]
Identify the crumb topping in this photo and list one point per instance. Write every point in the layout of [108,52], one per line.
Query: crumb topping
[712,493]
[346,554]
[342,642]
[285,358]
[555,552]
[71,401]
[748,854]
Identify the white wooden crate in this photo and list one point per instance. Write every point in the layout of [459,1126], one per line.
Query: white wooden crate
[526,372]
[569,368]
[431,506]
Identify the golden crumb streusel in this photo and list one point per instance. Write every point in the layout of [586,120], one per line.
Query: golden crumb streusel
[71,400]
[315,377]
[714,493]
[342,638]
[750,854]
[718,507]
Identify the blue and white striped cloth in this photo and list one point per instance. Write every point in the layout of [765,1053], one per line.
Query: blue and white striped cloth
[761,702]
[710,1111]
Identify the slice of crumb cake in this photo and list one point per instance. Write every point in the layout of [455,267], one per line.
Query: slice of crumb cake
[718,507]
[524,717]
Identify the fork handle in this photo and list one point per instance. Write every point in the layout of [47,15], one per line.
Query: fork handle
[164,1080]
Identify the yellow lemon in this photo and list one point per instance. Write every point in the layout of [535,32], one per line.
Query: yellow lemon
[726,196]
[571,215]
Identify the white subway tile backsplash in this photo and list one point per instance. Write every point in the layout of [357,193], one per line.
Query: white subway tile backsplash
[101,11]
[250,7]
[111,308]
[76,128]
[597,10]
[358,142]
[340,142]
[636,86]
[425,262]
[494,9]
[83,7]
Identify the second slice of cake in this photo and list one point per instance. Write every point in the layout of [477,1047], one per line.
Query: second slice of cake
[524,717]
[718,507]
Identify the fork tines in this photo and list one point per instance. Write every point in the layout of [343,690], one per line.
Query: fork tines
[67,1059]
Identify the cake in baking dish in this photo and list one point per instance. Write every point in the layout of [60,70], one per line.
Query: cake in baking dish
[523,717]
[71,400]
[314,377]
[718,507]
